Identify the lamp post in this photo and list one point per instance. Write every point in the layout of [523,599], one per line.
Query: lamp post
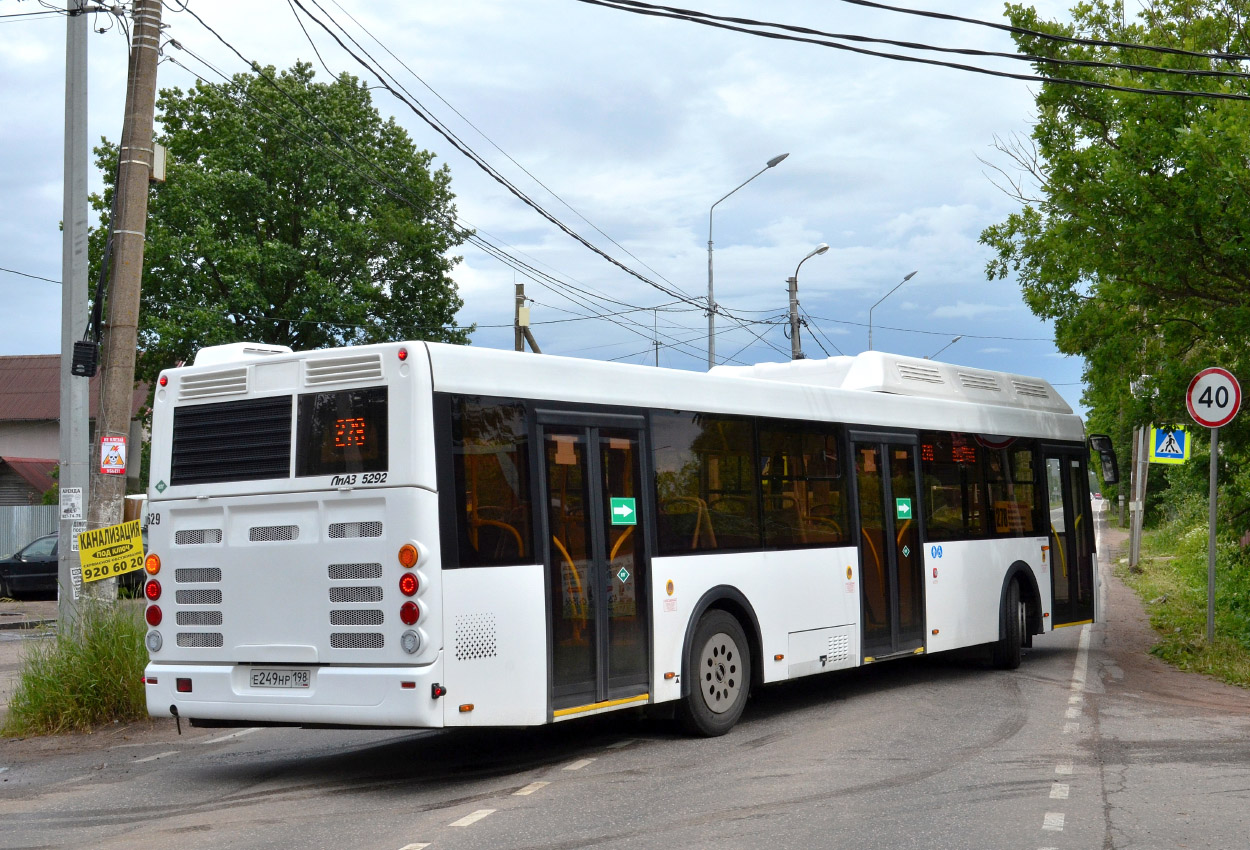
[711,300]
[883,297]
[943,348]
[796,350]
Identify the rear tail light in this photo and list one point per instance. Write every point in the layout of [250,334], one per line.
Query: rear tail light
[409,613]
[183,686]
[408,584]
[408,555]
[153,615]
[152,563]
[152,590]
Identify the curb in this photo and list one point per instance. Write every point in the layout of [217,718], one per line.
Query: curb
[26,624]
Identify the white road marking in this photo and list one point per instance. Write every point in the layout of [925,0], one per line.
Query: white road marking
[1053,822]
[1063,768]
[415,846]
[579,764]
[530,789]
[1072,728]
[1076,699]
[155,757]
[3,769]
[619,744]
[1074,713]
[1059,791]
[475,817]
[232,735]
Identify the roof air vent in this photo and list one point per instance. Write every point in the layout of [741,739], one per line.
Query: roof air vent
[1030,388]
[918,372]
[213,384]
[973,381]
[354,367]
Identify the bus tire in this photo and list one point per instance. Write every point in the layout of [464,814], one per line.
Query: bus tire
[1007,651]
[718,671]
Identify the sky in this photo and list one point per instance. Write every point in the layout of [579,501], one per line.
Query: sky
[637,125]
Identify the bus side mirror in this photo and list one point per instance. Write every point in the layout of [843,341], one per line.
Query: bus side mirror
[1101,443]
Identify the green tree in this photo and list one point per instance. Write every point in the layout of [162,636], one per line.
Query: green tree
[291,214]
[1135,210]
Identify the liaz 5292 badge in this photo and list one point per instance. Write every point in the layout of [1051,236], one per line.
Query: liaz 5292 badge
[111,551]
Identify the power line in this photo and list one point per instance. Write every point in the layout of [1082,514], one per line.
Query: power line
[936,333]
[32,276]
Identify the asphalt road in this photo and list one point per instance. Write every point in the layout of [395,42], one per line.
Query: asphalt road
[1090,744]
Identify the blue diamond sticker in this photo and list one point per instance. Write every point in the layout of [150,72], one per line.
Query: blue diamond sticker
[623,575]
[160,486]
[906,552]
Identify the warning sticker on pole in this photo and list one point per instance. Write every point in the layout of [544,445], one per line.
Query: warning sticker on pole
[112,551]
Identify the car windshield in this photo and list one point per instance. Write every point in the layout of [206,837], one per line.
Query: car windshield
[42,547]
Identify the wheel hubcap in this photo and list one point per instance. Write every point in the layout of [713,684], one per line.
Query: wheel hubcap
[720,673]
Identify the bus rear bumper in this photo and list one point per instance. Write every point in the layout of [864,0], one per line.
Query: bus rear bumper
[337,696]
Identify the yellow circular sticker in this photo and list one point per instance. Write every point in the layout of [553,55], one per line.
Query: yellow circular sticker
[848,573]
[668,588]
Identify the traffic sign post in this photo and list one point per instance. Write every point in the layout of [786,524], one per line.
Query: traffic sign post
[1213,399]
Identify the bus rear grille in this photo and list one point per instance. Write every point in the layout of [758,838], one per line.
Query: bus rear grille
[339,530]
[355,594]
[210,384]
[232,441]
[355,367]
[356,617]
[355,640]
[203,640]
[197,536]
[199,596]
[272,533]
[339,572]
[197,575]
[199,618]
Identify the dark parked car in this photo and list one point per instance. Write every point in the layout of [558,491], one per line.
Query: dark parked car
[32,569]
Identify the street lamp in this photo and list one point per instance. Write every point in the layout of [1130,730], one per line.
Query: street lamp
[883,297]
[711,301]
[943,348]
[796,351]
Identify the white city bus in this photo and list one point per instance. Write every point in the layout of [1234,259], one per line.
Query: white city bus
[426,535]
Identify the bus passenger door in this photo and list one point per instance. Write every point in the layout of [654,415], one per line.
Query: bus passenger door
[890,562]
[1071,538]
[597,569]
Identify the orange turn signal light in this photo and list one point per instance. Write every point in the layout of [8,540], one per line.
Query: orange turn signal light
[407,555]
[152,563]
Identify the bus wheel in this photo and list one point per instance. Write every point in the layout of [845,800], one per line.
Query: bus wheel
[1007,649]
[719,670]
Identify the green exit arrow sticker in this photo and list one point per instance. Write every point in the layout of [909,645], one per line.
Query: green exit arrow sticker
[902,508]
[623,511]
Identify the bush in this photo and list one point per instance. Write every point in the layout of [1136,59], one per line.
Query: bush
[89,675]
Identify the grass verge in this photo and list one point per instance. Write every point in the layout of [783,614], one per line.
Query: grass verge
[84,677]
[1172,585]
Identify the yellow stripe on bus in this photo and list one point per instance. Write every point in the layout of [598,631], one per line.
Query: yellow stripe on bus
[1074,623]
[581,709]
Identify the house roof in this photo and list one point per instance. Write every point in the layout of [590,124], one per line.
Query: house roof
[37,472]
[30,389]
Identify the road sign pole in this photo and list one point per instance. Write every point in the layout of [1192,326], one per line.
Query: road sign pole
[1215,450]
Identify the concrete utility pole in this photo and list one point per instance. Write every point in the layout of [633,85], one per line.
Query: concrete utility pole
[796,350]
[126,275]
[521,323]
[74,391]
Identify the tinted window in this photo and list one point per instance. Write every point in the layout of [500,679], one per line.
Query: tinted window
[954,495]
[490,462]
[803,488]
[705,482]
[342,432]
[1009,475]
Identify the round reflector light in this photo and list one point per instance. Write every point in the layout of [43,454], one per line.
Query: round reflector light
[155,641]
[409,613]
[152,563]
[164,381]
[152,590]
[410,641]
[407,555]
[403,354]
[153,615]
[408,584]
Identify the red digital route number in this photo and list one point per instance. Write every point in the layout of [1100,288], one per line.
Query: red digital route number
[349,433]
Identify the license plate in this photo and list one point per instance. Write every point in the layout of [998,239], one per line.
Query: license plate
[280,678]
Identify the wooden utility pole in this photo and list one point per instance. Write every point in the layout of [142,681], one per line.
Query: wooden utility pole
[521,323]
[108,491]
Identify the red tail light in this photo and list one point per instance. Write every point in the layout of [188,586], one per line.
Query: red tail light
[152,590]
[409,613]
[153,615]
[408,584]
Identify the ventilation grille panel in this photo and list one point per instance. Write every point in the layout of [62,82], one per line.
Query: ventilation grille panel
[213,384]
[198,596]
[979,382]
[232,441]
[272,533]
[197,536]
[356,617]
[199,618]
[197,575]
[1030,388]
[355,594]
[202,640]
[839,648]
[916,372]
[356,640]
[475,636]
[354,367]
[354,572]
[340,530]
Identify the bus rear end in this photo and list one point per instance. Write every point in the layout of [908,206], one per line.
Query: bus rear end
[293,539]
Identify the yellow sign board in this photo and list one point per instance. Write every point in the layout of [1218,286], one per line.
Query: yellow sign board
[112,551]
[1169,444]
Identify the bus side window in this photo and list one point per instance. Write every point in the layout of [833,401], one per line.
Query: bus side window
[804,490]
[954,498]
[490,461]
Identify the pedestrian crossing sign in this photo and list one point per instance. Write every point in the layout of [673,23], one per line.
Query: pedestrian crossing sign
[1169,444]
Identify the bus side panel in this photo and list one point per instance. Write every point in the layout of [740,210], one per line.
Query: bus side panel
[964,582]
[495,646]
[791,591]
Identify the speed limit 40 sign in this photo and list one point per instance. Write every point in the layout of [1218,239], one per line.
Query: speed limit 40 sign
[1214,397]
